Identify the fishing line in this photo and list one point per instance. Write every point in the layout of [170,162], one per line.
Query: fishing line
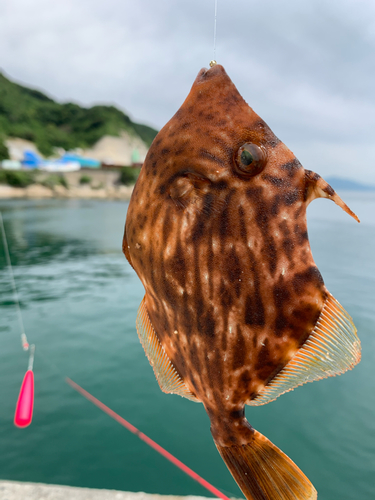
[24,342]
[25,403]
[213,62]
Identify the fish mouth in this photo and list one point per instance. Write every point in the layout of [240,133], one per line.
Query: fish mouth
[206,73]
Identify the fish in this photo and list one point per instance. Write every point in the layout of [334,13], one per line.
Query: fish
[235,312]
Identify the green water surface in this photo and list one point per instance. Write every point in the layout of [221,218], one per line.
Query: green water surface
[79,299]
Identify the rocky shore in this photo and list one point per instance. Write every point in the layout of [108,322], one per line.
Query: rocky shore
[14,490]
[37,191]
[103,185]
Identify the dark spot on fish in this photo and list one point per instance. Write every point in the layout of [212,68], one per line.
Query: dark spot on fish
[225,228]
[239,350]
[283,226]
[220,186]
[302,235]
[165,151]
[177,265]
[194,357]
[262,216]
[271,253]
[292,196]
[310,276]
[245,380]
[329,190]
[254,310]
[237,414]
[281,296]
[312,176]
[226,298]
[208,204]
[291,167]
[230,100]
[306,314]
[288,247]
[166,226]
[280,324]
[273,142]
[180,151]
[221,123]
[243,228]
[275,207]
[234,268]
[275,181]
[207,323]
[198,230]
[203,153]
[185,125]
[224,225]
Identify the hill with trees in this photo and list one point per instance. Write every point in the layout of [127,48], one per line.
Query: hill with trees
[32,115]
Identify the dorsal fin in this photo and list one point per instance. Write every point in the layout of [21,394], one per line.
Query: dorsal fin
[332,348]
[166,374]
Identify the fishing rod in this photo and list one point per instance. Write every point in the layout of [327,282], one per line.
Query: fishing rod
[25,403]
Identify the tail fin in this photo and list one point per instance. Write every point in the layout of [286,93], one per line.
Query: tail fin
[263,472]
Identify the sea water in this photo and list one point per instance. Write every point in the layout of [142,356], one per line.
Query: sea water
[79,299]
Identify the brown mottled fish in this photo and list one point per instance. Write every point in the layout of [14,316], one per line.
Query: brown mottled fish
[235,311]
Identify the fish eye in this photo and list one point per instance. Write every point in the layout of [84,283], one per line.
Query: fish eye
[250,160]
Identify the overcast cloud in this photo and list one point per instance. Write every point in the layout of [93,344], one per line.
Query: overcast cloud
[306,67]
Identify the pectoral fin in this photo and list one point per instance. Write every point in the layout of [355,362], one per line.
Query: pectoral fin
[331,349]
[317,187]
[166,375]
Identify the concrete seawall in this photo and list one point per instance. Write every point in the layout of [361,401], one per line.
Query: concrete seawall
[14,490]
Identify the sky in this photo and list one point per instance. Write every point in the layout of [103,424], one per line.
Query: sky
[307,67]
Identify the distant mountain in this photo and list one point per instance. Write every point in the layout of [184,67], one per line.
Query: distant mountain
[30,114]
[339,183]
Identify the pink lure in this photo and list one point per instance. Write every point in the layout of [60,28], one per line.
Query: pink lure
[25,403]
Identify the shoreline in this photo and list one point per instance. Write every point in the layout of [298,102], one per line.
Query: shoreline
[37,191]
[16,490]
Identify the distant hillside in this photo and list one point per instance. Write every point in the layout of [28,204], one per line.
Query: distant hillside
[30,114]
[339,183]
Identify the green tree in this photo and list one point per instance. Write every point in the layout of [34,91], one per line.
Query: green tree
[128,176]
[4,153]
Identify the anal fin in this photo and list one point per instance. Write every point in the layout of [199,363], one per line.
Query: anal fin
[331,349]
[166,374]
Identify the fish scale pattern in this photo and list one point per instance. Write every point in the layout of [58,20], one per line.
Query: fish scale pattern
[332,348]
